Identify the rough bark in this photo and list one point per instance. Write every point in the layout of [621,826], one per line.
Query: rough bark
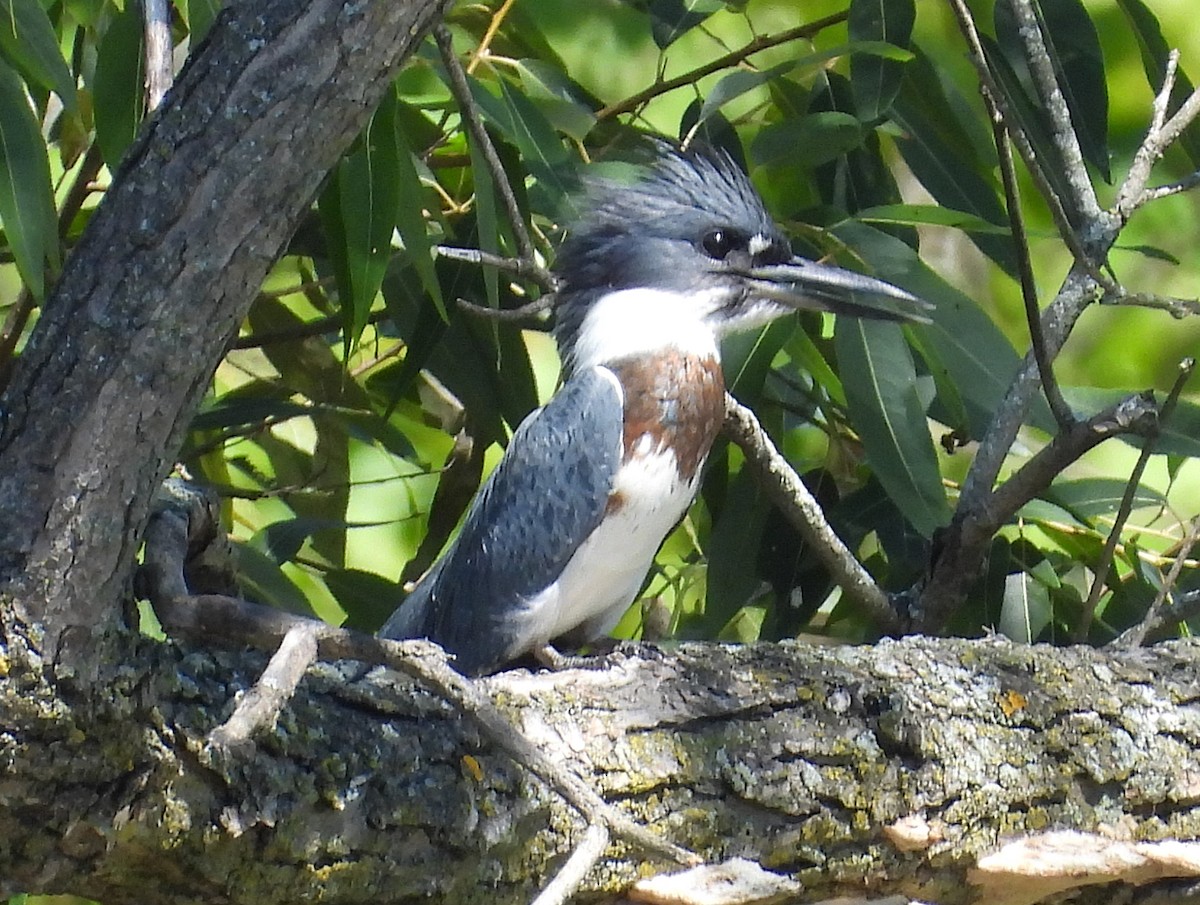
[154,293]
[797,757]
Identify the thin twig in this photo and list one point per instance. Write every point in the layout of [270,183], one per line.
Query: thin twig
[474,123]
[160,71]
[528,315]
[1160,610]
[1033,315]
[663,86]
[787,491]
[525,268]
[485,42]
[260,706]
[1100,582]
[1176,307]
[1159,136]
[572,874]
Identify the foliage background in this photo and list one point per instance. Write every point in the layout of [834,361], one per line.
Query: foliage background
[329,425]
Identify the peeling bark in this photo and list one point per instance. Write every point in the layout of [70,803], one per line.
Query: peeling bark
[800,758]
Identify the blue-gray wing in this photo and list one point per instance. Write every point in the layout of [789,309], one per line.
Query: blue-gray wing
[548,493]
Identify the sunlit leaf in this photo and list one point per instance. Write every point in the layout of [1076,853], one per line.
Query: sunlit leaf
[1026,609]
[880,380]
[410,220]
[198,15]
[118,90]
[1087,498]
[876,80]
[26,196]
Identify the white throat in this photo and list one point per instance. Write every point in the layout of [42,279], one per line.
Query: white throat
[633,322]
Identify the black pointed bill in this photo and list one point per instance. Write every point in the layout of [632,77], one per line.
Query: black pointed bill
[809,285]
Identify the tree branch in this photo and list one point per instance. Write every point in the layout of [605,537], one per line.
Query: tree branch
[184,520]
[474,123]
[964,543]
[787,491]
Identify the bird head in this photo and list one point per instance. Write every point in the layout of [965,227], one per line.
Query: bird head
[686,254]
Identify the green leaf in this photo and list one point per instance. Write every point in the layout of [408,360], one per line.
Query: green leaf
[28,42]
[117,89]
[198,15]
[1154,51]
[876,80]
[410,220]
[808,141]
[1074,49]
[881,389]
[1086,498]
[1026,609]
[562,102]
[26,194]
[977,358]
[671,18]
[359,210]
[731,551]
[486,220]
[737,83]
[929,215]
[367,598]
[940,148]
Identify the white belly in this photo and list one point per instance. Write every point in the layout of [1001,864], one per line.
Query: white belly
[604,575]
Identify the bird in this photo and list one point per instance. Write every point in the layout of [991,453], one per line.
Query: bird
[558,542]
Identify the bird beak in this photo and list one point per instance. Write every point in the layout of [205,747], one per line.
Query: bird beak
[810,286]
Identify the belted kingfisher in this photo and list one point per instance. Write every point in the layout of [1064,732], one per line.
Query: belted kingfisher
[559,540]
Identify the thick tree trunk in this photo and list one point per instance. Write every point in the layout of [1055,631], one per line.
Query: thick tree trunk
[203,205]
[794,756]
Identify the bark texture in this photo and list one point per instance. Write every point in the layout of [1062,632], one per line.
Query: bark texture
[152,296]
[798,757]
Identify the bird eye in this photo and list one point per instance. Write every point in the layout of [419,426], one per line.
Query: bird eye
[718,243]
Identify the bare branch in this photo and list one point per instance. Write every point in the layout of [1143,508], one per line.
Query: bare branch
[1162,132]
[525,268]
[733,58]
[1176,307]
[260,706]
[961,559]
[527,316]
[160,71]
[1062,132]
[474,123]
[1161,610]
[568,880]
[788,492]
[1062,218]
